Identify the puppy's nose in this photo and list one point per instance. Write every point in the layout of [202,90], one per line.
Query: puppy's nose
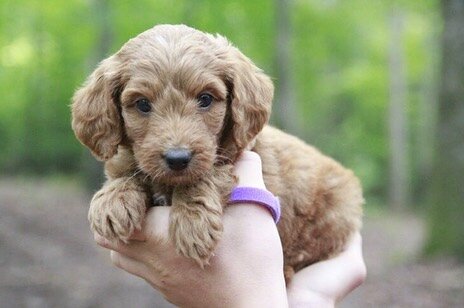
[178,159]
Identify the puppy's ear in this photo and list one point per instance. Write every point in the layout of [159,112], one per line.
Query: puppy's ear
[250,93]
[96,119]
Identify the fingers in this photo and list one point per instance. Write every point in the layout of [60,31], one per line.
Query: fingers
[336,277]
[130,265]
[358,270]
[354,245]
[149,240]
[131,250]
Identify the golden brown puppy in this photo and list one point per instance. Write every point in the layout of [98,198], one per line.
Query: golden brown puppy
[170,113]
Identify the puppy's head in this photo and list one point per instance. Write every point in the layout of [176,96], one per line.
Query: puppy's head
[183,100]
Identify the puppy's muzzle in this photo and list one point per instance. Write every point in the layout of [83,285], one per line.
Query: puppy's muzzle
[178,159]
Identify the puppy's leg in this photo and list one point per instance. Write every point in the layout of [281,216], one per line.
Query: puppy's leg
[118,208]
[196,221]
[196,215]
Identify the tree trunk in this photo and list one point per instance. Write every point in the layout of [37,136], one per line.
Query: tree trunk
[427,125]
[285,116]
[399,179]
[446,212]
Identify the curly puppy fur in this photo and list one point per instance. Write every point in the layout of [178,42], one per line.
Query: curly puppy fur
[143,102]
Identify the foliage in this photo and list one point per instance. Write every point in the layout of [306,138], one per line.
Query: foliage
[340,66]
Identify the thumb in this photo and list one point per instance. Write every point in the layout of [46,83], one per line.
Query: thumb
[248,169]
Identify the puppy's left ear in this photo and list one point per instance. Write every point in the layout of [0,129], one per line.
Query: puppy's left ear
[251,93]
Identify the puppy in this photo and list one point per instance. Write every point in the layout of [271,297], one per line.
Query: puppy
[170,113]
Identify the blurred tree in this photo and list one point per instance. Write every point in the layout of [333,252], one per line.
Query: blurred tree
[284,102]
[426,123]
[397,117]
[31,153]
[446,213]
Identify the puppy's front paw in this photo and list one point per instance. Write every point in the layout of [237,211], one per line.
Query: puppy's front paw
[117,209]
[195,234]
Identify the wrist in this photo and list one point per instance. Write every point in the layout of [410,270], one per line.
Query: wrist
[253,195]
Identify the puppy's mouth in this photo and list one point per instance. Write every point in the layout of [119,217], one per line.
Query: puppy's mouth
[178,167]
[183,177]
[186,176]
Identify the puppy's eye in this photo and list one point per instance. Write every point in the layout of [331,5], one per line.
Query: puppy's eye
[143,105]
[205,100]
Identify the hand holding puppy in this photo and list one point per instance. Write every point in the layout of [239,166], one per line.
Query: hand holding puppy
[247,267]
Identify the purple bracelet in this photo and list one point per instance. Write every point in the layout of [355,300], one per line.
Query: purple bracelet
[256,196]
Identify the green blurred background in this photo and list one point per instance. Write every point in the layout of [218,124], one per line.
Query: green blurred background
[376,84]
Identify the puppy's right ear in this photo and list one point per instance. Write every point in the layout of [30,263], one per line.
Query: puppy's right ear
[96,119]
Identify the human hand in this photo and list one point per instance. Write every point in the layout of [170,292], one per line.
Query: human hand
[245,271]
[325,283]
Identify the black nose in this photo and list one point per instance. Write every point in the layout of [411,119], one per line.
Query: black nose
[178,159]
